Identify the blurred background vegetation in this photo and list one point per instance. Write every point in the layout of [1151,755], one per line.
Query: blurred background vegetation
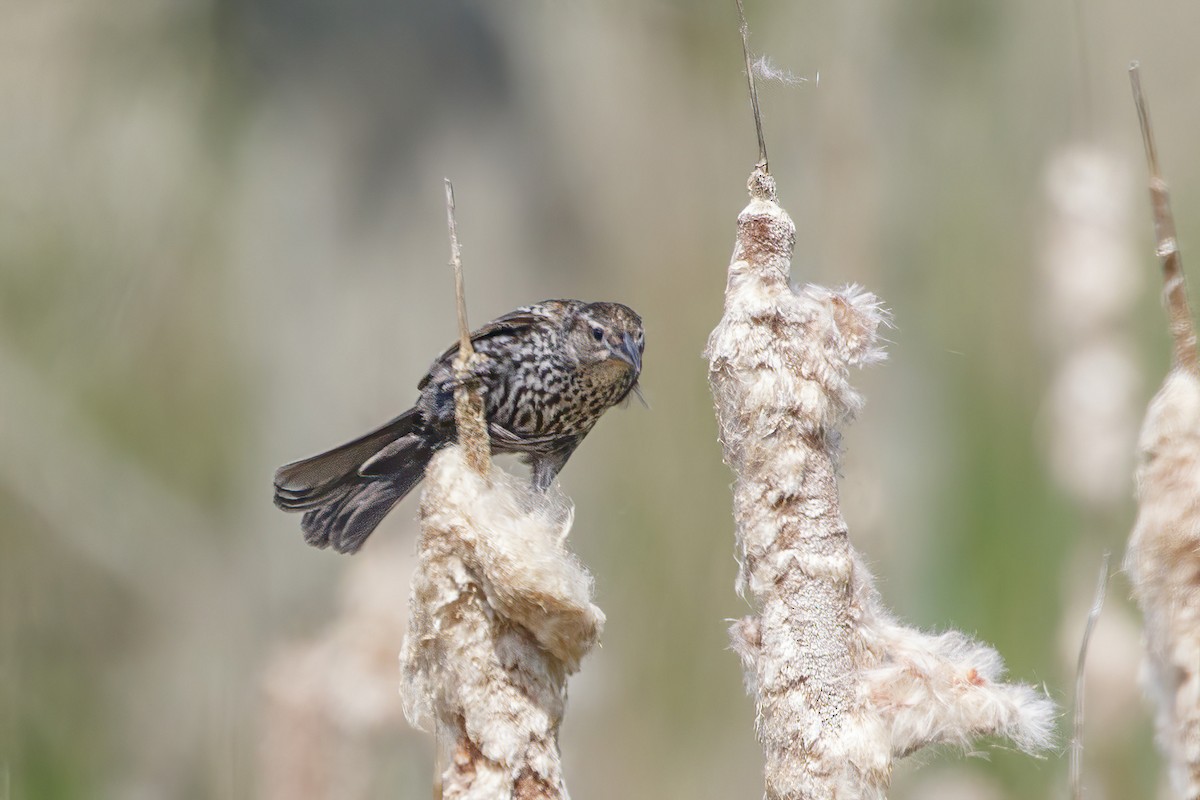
[222,247]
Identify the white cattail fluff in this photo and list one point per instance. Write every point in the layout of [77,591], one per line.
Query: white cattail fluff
[841,689]
[500,615]
[1163,561]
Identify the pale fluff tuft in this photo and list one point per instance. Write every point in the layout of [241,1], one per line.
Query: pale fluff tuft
[766,70]
[1163,561]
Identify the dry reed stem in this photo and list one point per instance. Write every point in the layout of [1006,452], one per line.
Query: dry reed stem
[841,688]
[1080,676]
[1183,333]
[1163,557]
[754,108]
[500,614]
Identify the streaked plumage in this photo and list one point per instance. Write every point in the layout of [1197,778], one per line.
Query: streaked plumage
[549,371]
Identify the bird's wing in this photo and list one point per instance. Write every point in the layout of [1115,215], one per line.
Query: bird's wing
[505,440]
[511,324]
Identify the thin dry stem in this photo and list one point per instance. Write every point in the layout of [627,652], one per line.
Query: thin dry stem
[468,396]
[1183,332]
[465,350]
[1080,674]
[1084,93]
[758,125]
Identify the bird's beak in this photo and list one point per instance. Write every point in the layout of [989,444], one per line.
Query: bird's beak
[629,353]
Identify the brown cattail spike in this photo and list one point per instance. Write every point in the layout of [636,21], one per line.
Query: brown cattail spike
[1183,332]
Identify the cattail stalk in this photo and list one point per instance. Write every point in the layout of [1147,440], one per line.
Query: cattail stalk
[840,687]
[1163,557]
[500,614]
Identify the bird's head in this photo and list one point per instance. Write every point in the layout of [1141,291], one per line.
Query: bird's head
[608,336]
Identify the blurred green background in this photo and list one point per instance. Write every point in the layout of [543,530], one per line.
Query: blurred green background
[222,247]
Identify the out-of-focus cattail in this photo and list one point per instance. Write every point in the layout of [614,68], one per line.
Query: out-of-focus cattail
[1086,291]
[326,697]
[841,688]
[1163,558]
[1088,284]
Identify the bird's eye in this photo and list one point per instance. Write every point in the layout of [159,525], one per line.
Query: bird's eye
[598,333]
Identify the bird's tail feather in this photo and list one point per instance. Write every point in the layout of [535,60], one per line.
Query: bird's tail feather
[305,483]
[345,492]
[347,518]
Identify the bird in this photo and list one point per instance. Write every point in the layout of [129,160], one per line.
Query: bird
[548,372]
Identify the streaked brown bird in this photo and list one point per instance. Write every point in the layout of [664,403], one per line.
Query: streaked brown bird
[548,371]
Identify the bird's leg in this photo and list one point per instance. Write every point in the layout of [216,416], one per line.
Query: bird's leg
[546,466]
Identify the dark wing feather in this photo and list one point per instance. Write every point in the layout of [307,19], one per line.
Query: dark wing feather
[505,441]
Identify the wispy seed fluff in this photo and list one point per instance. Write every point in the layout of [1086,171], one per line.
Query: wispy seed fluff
[1163,561]
[841,689]
[500,615]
